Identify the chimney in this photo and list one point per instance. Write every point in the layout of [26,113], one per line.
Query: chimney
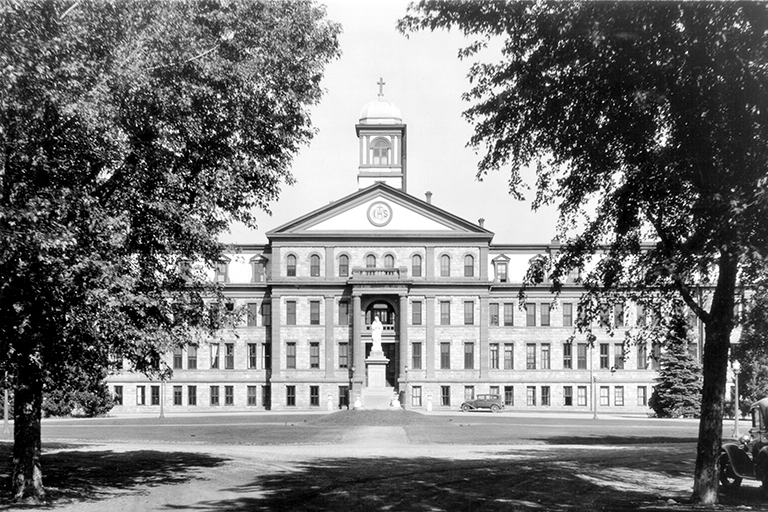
[481,222]
[429,197]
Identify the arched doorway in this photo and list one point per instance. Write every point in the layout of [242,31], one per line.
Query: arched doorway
[387,314]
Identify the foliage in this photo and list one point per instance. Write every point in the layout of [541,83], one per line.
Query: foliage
[678,389]
[648,126]
[133,133]
[82,395]
[752,349]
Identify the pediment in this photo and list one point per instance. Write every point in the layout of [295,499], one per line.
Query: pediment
[380,210]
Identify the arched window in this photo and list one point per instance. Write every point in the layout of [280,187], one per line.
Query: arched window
[469,265]
[314,265]
[383,310]
[380,151]
[343,265]
[290,264]
[370,261]
[416,265]
[389,261]
[445,265]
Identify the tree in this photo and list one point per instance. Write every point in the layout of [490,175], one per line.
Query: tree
[678,392]
[132,134]
[647,122]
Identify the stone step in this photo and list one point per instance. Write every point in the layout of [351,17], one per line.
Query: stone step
[377,398]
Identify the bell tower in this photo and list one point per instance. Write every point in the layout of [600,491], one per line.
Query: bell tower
[382,143]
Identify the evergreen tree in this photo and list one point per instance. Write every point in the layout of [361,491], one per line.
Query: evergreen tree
[678,392]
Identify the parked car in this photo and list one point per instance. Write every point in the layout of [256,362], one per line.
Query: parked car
[747,458]
[492,402]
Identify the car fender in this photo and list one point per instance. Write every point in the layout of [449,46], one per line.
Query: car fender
[740,461]
[761,465]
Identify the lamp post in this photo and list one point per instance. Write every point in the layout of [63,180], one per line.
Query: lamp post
[736,367]
[405,394]
[6,428]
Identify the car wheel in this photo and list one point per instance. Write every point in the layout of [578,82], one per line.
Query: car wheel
[728,478]
[495,408]
[465,408]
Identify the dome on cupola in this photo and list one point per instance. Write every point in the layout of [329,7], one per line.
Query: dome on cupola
[380,111]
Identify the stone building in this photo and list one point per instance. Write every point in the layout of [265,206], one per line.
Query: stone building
[447,296]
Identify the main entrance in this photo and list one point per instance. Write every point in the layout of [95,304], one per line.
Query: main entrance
[391,353]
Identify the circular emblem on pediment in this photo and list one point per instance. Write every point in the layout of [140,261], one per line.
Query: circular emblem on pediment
[379,213]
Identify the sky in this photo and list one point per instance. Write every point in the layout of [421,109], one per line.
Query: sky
[425,79]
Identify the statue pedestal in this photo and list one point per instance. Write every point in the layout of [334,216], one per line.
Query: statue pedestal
[377,395]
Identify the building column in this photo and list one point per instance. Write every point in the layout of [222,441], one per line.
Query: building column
[330,344]
[429,349]
[276,342]
[358,350]
[429,262]
[403,335]
[483,349]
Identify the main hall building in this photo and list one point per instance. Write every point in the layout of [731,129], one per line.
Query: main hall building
[447,295]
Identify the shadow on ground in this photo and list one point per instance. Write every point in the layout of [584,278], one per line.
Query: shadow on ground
[72,476]
[552,481]
[618,440]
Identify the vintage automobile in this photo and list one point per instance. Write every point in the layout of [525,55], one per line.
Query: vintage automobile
[748,458]
[492,402]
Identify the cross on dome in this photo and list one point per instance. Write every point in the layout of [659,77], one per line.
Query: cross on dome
[381,83]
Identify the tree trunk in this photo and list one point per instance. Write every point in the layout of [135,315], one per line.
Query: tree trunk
[27,479]
[717,344]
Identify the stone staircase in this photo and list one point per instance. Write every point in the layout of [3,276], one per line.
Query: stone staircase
[377,398]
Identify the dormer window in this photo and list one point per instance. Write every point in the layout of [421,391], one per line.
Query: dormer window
[221,271]
[259,269]
[380,152]
[500,266]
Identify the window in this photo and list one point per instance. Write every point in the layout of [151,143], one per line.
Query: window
[191,358]
[530,314]
[416,396]
[290,312]
[494,390]
[380,152]
[290,355]
[567,357]
[545,395]
[253,314]
[178,356]
[530,356]
[314,265]
[581,356]
[266,314]
[343,265]
[389,261]
[641,317]
[290,396]
[266,356]
[469,392]
[229,395]
[416,355]
[343,355]
[253,356]
[604,400]
[493,311]
[266,399]
[568,395]
[567,314]
[604,356]
[494,353]
[642,357]
[445,396]
[191,395]
[509,356]
[545,359]
[618,356]
[290,265]
[530,395]
[445,356]
[656,357]
[642,395]
[618,396]
[214,356]
[618,315]
[343,312]
[501,272]
[605,316]
[251,395]
[344,397]
[416,313]
[370,261]
[469,266]
[118,395]
[445,266]
[314,355]
[314,396]
[258,269]
[469,312]
[445,312]
[509,314]
[581,395]
[545,317]
[509,395]
[314,312]
[416,265]
[229,356]
[221,272]
[214,395]
[469,356]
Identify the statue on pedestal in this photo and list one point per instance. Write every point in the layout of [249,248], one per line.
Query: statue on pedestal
[376,329]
